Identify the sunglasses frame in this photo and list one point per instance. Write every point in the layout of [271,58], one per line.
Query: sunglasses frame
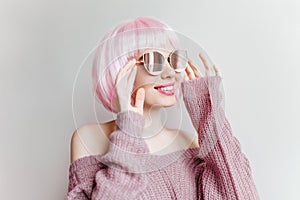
[168,59]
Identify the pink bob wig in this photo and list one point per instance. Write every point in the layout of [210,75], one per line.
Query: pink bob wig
[125,42]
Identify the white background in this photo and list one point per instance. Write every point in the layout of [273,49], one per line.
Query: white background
[42,43]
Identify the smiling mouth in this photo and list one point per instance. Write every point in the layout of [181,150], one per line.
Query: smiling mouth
[167,85]
[167,89]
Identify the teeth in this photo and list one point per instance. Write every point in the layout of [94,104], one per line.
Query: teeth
[167,88]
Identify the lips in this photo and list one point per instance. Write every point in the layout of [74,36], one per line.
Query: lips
[164,85]
[166,89]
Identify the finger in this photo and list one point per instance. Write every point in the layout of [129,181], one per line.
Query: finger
[119,76]
[130,81]
[122,71]
[131,64]
[203,59]
[130,69]
[217,70]
[139,99]
[190,72]
[186,78]
[131,76]
[195,69]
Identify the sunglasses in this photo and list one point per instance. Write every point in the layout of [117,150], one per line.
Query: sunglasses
[154,61]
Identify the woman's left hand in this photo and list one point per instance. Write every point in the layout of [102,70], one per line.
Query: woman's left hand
[193,73]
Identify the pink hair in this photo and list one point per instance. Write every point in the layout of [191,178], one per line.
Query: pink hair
[123,43]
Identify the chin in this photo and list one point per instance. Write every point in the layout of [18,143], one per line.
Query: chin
[163,103]
[167,106]
[170,103]
[157,99]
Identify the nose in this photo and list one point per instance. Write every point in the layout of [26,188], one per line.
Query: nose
[168,71]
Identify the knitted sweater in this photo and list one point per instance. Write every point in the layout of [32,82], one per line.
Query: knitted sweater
[217,169]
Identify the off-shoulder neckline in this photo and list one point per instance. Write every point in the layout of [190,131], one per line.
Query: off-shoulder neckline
[96,159]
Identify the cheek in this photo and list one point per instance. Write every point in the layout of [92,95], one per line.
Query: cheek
[149,90]
[148,85]
[150,94]
[180,76]
[143,79]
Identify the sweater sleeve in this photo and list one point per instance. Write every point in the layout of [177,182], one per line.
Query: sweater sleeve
[226,170]
[81,177]
[123,163]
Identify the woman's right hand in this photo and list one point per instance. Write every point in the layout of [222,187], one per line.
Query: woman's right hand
[193,73]
[124,85]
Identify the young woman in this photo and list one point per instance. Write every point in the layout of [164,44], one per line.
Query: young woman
[145,70]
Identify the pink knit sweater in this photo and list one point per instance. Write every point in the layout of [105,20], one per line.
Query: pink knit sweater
[216,170]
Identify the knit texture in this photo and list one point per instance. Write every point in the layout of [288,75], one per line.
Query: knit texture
[217,169]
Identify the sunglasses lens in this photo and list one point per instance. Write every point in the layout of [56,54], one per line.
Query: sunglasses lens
[154,62]
[179,60]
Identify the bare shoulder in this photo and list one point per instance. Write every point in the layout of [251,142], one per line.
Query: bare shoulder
[91,139]
[185,139]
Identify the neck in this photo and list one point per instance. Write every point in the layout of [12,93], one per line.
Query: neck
[153,122]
